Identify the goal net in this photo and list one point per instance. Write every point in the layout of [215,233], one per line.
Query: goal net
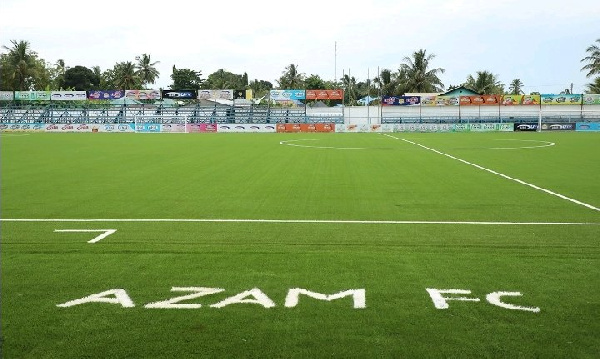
[161,124]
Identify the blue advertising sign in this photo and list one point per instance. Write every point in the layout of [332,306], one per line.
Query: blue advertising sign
[105,95]
[401,100]
[286,95]
[587,126]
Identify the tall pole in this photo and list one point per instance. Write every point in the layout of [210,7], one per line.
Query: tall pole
[335,63]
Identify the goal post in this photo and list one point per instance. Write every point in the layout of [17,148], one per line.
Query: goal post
[161,124]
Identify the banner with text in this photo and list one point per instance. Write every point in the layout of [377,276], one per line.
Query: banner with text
[401,100]
[143,94]
[105,95]
[561,99]
[215,94]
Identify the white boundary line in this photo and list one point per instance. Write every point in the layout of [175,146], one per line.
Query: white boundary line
[312,139]
[107,232]
[499,174]
[546,144]
[326,221]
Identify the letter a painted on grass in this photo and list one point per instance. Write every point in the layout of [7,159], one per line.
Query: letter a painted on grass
[259,298]
[112,296]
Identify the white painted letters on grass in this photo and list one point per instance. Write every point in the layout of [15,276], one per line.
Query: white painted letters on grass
[441,302]
[173,303]
[112,296]
[494,298]
[252,296]
[358,296]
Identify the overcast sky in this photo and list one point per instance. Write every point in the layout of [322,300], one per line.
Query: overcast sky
[539,42]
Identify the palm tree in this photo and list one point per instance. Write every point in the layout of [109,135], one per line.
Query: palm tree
[291,78]
[146,70]
[349,84]
[416,76]
[22,64]
[485,83]
[516,87]
[386,82]
[594,87]
[593,59]
[125,76]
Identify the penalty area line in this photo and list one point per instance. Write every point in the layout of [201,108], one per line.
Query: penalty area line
[309,221]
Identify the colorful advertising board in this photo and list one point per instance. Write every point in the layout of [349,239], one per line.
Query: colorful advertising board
[180,94]
[324,94]
[286,95]
[305,127]
[509,100]
[246,127]
[587,126]
[590,99]
[105,95]
[142,94]
[215,94]
[201,127]
[21,127]
[33,95]
[440,100]
[525,127]
[68,96]
[558,127]
[480,100]
[401,100]
[561,99]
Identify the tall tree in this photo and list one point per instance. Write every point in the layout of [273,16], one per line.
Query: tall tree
[386,82]
[315,82]
[145,69]
[485,83]
[291,79]
[592,59]
[260,87]
[594,87]
[186,79]
[419,77]
[222,79]
[350,89]
[81,78]
[516,87]
[20,66]
[125,76]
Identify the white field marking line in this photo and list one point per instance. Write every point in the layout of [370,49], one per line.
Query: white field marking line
[325,221]
[3,134]
[314,139]
[107,232]
[547,144]
[501,174]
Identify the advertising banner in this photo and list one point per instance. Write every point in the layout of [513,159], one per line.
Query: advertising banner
[509,100]
[33,95]
[180,94]
[68,96]
[558,127]
[591,99]
[215,94]
[480,100]
[428,100]
[121,127]
[324,94]
[440,100]
[142,94]
[263,128]
[531,100]
[306,127]
[201,127]
[401,100]
[172,127]
[105,95]
[587,126]
[561,99]
[525,127]
[7,95]
[286,95]
[21,127]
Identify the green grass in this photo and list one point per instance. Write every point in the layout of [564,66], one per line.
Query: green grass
[253,176]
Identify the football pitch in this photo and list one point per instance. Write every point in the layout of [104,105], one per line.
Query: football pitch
[397,245]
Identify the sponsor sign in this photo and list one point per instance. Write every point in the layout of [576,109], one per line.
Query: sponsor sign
[591,99]
[7,95]
[142,94]
[287,95]
[215,94]
[324,94]
[201,127]
[172,127]
[68,95]
[266,128]
[587,126]
[558,127]
[105,95]
[440,100]
[33,95]
[122,127]
[525,127]
[401,100]
[21,127]
[306,127]
[180,94]
[561,99]
[480,100]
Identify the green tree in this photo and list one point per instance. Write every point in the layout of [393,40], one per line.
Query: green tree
[592,59]
[315,82]
[186,79]
[485,83]
[19,67]
[222,79]
[594,87]
[291,79]
[81,78]
[415,74]
[145,70]
[516,87]
[260,88]
[350,90]
[125,77]
[386,82]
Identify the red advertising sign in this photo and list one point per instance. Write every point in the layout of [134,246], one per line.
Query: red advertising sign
[324,94]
